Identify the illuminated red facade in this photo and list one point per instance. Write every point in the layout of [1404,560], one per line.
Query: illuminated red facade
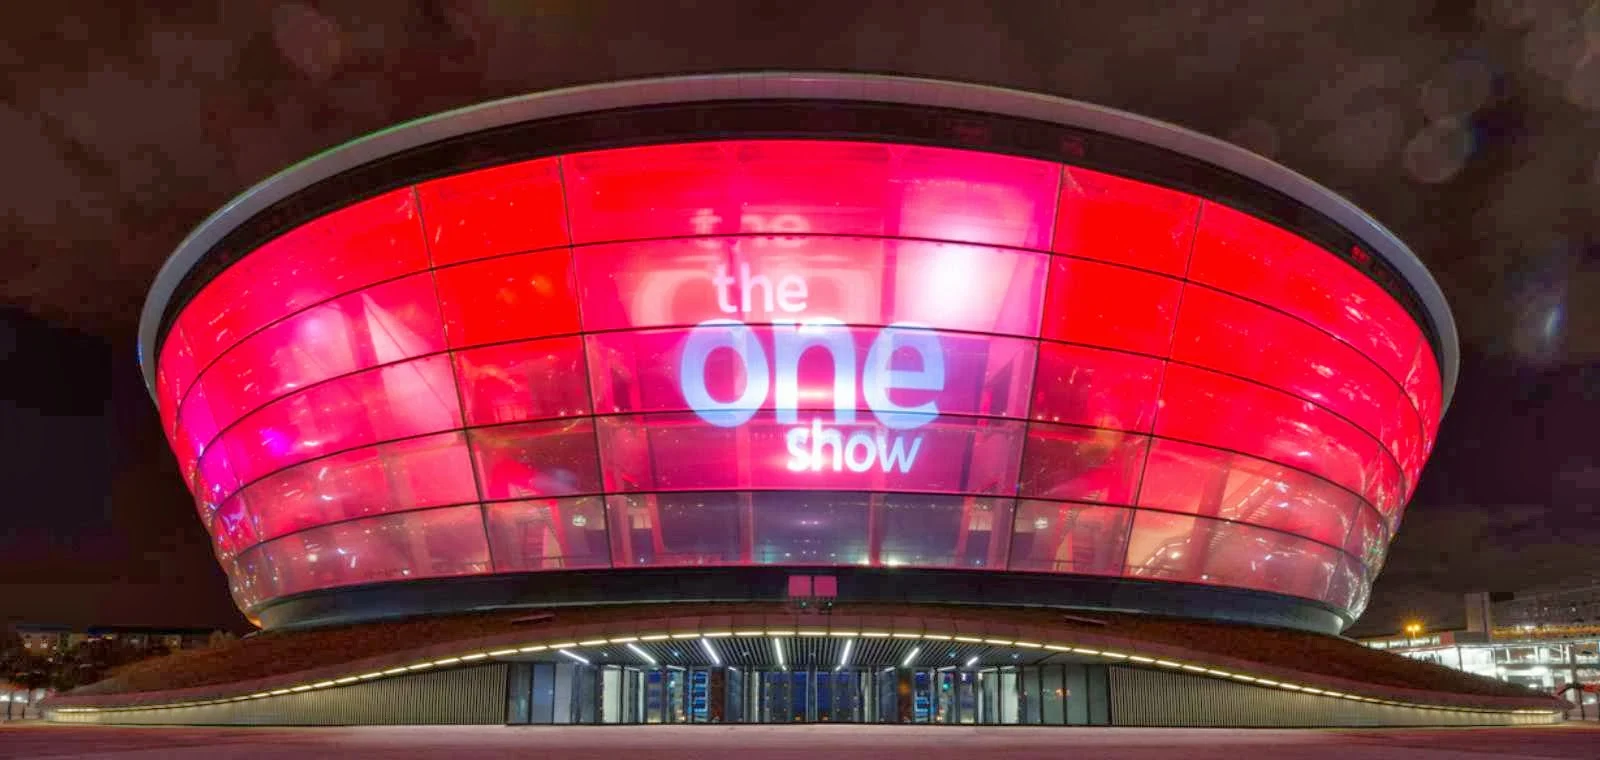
[816,352]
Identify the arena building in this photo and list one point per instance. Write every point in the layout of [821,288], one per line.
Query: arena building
[798,397]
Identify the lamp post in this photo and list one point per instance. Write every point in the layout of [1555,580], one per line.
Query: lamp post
[1413,630]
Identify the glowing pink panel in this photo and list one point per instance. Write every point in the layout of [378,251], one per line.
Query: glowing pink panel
[1241,338]
[1111,306]
[194,436]
[867,281]
[396,401]
[1124,221]
[1062,537]
[380,325]
[391,477]
[1422,386]
[810,369]
[175,372]
[232,529]
[507,209]
[525,296]
[794,187]
[426,544]
[1205,407]
[348,249]
[554,458]
[1091,386]
[531,380]
[1081,464]
[548,534]
[669,451]
[1182,477]
[1197,550]
[1244,255]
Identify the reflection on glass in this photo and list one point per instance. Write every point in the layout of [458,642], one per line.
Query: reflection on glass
[548,534]
[1062,537]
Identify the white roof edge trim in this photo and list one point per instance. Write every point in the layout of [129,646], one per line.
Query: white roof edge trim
[900,90]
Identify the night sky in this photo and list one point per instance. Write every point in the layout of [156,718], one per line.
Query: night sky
[1472,130]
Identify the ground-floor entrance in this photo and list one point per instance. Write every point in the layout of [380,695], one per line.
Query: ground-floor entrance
[970,694]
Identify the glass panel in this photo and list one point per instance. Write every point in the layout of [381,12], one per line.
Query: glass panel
[1205,407]
[1422,386]
[1081,464]
[930,530]
[426,544]
[356,246]
[863,281]
[507,209]
[548,534]
[1241,254]
[1346,585]
[232,529]
[175,372]
[418,472]
[526,296]
[1111,306]
[669,451]
[1198,550]
[895,376]
[1125,221]
[552,458]
[1368,541]
[1241,338]
[396,401]
[379,325]
[679,528]
[1091,386]
[810,528]
[1057,537]
[793,187]
[523,381]
[1182,477]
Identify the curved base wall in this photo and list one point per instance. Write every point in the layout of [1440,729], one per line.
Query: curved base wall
[765,584]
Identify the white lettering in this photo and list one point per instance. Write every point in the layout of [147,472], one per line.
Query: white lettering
[790,342]
[879,376]
[792,293]
[709,336]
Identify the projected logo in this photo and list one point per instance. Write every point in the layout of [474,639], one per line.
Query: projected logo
[902,359]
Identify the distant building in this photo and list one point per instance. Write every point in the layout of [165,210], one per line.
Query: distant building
[42,638]
[1545,640]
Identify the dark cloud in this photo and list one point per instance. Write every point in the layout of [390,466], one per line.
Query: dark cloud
[1468,128]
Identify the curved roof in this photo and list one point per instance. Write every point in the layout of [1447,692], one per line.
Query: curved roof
[798,85]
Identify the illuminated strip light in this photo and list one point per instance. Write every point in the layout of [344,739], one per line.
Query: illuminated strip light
[706,645]
[591,643]
[973,661]
[844,659]
[749,633]
[642,653]
[777,647]
[844,634]
[622,640]
[875,634]
[911,656]
[813,632]
[719,635]
[906,635]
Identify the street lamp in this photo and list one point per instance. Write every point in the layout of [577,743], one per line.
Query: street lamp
[1413,630]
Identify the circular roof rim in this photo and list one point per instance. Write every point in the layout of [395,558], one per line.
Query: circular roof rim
[903,90]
